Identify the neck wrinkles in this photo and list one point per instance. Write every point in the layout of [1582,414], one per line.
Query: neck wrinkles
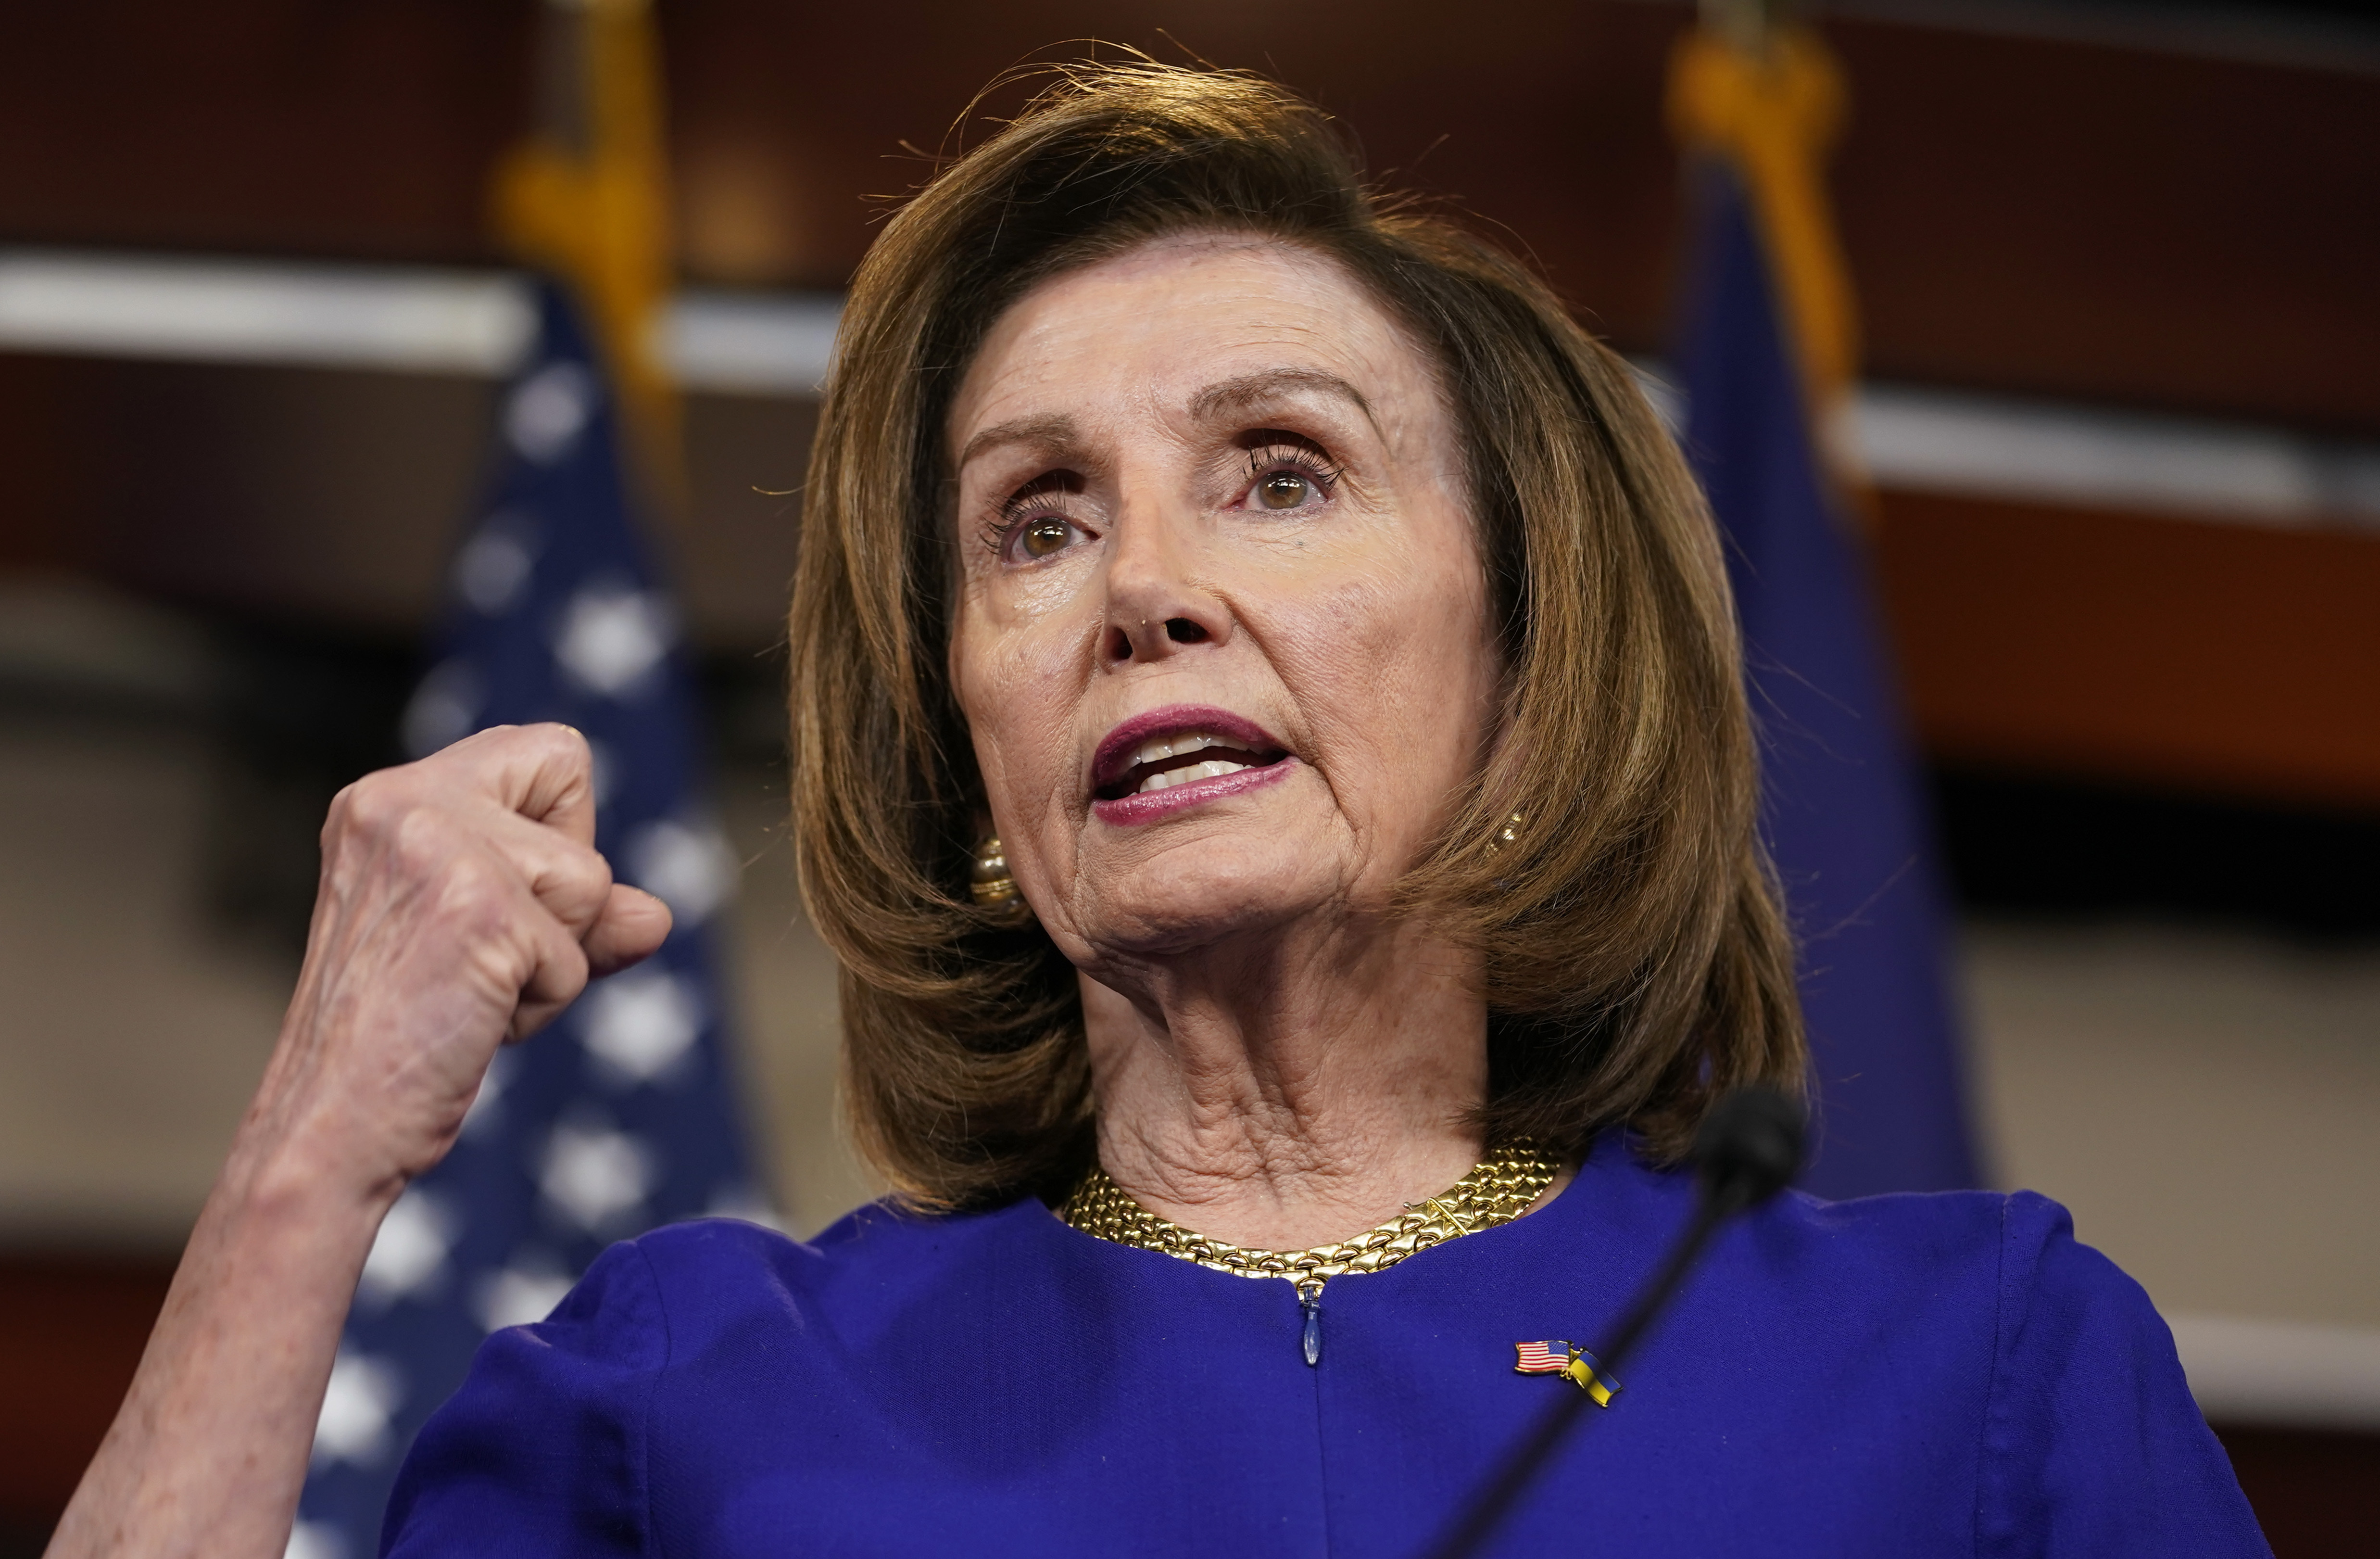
[1291,1088]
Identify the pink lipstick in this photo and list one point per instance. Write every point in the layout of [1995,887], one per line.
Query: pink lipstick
[1179,756]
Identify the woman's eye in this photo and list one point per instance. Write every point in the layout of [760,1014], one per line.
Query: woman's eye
[1040,538]
[1284,490]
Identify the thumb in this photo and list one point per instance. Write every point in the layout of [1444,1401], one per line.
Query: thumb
[628,931]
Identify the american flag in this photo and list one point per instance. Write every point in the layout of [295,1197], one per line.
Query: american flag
[1845,810]
[621,1114]
[1542,1358]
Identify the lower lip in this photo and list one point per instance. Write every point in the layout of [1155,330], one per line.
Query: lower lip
[1147,806]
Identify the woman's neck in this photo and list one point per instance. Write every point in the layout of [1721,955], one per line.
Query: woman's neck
[1291,1090]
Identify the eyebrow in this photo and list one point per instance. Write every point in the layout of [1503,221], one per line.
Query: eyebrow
[1252,390]
[1243,392]
[1049,433]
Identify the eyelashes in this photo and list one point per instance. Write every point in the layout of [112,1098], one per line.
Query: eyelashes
[1026,504]
[1270,454]
[1280,454]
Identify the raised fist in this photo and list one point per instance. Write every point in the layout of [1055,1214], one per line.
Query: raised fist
[462,906]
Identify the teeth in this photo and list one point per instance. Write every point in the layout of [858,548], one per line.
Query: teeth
[1159,748]
[1210,769]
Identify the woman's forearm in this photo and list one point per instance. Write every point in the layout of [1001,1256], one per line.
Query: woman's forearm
[209,1451]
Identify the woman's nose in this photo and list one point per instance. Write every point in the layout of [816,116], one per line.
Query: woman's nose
[1157,601]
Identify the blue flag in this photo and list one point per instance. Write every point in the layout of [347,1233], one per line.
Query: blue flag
[621,1114]
[1843,811]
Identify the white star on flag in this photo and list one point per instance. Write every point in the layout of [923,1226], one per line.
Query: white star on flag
[445,709]
[595,1175]
[315,1540]
[353,1425]
[638,1025]
[613,638]
[409,1255]
[521,1294]
[487,1111]
[495,564]
[545,416]
[603,775]
[686,865]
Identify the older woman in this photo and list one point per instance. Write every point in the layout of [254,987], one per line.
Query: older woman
[1272,762]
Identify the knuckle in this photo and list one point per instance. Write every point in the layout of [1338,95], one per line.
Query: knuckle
[365,801]
[339,820]
[584,870]
[419,840]
[485,737]
[568,963]
[557,735]
[558,744]
[366,808]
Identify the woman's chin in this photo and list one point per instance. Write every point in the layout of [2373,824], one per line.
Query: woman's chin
[1156,912]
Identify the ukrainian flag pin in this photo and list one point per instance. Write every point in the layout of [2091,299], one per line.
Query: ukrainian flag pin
[1569,1361]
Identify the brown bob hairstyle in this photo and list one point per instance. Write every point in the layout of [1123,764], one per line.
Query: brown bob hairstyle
[1636,961]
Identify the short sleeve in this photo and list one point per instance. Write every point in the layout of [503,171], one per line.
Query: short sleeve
[2092,1442]
[543,1449]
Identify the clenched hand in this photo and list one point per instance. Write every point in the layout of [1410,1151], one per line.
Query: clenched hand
[462,906]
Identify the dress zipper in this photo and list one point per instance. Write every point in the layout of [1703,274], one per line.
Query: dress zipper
[1310,1305]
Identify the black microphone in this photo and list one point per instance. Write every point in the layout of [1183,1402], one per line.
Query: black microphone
[1747,1148]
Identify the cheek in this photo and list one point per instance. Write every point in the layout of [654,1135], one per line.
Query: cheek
[1398,673]
[1018,703]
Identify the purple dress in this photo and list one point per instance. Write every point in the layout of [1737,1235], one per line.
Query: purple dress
[1902,1376]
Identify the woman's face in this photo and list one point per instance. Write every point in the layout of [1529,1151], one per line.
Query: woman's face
[1222,640]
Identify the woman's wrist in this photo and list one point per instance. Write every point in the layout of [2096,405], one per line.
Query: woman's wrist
[309,1180]
[315,1146]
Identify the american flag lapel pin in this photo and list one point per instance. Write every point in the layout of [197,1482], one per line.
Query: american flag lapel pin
[1569,1361]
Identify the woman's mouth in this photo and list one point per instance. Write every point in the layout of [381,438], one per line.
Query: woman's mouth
[1162,763]
[1173,758]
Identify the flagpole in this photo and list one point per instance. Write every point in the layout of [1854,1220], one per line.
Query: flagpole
[1744,23]
[564,114]
[585,199]
[1758,92]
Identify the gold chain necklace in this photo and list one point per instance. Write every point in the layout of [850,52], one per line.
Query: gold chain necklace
[1499,1190]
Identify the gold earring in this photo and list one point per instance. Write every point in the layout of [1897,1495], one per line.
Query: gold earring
[1508,834]
[991,886]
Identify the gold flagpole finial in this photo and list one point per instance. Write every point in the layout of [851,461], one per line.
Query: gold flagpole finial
[1764,94]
